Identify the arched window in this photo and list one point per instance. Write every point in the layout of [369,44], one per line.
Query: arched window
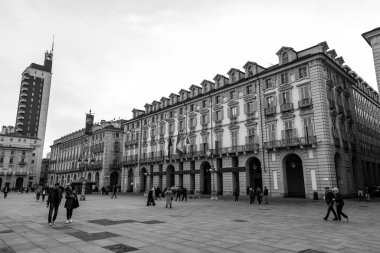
[285,58]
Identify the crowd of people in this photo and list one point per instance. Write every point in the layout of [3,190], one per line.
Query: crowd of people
[167,193]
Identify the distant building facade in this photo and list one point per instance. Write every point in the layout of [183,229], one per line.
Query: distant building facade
[18,161]
[297,127]
[96,157]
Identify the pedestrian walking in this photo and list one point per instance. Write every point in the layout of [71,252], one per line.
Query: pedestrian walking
[184,194]
[158,193]
[179,193]
[114,192]
[259,195]
[38,193]
[43,194]
[366,194]
[236,194]
[5,191]
[265,194]
[169,197]
[339,204]
[53,202]
[150,200]
[329,199]
[360,194]
[71,202]
[252,195]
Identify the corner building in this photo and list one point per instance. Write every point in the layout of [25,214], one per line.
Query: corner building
[297,127]
[95,157]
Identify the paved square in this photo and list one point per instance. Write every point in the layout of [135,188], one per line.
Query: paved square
[126,224]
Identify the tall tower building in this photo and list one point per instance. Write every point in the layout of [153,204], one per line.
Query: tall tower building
[33,104]
[373,39]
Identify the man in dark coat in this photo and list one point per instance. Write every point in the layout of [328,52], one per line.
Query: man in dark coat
[150,198]
[53,201]
[184,194]
[252,196]
[5,191]
[329,199]
[114,192]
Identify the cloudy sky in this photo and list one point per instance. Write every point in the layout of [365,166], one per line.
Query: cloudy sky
[113,56]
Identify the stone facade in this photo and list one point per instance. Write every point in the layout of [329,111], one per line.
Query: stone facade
[292,127]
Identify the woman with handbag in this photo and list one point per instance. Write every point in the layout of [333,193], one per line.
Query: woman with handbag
[71,202]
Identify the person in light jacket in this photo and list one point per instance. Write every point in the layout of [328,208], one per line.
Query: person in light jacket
[169,197]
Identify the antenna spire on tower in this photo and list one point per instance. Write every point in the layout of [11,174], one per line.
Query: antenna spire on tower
[52,45]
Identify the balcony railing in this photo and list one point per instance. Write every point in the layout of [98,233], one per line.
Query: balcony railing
[305,103]
[23,94]
[131,159]
[251,114]
[218,122]
[270,111]
[22,163]
[308,140]
[286,107]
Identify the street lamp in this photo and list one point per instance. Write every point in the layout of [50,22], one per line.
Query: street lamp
[213,171]
[150,183]
[84,162]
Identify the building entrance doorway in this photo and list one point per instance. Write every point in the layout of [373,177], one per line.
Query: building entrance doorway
[130,181]
[205,178]
[254,173]
[143,180]
[170,177]
[294,176]
[19,182]
[114,178]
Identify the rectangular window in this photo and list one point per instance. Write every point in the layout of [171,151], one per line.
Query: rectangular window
[249,89]
[304,92]
[217,99]
[285,97]
[11,160]
[233,112]
[308,126]
[270,101]
[180,125]
[251,135]
[302,72]
[232,94]
[192,108]
[268,83]
[204,103]
[204,119]
[145,133]
[171,128]
[285,78]
[218,115]
[235,138]
[288,130]
[171,114]
[180,111]
[162,130]
[271,131]
[192,122]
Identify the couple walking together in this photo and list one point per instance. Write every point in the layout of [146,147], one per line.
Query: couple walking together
[54,200]
[334,197]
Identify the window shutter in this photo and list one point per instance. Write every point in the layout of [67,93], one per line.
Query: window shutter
[195,120]
[237,110]
[255,105]
[222,114]
[280,96]
[294,131]
[274,100]
[282,134]
[290,97]
[208,118]
[245,108]
[214,116]
[265,102]
[247,140]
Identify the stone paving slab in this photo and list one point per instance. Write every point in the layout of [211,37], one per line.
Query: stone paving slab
[126,224]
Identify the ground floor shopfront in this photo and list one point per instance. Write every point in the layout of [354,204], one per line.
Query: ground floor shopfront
[101,178]
[286,173]
[15,181]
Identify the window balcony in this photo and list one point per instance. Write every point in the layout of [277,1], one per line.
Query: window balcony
[252,147]
[22,163]
[20,118]
[23,94]
[24,89]
[251,114]
[218,122]
[290,142]
[307,102]
[131,159]
[20,123]
[21,106]
[286,107]
[270,111]
[22,100]
[271,144]
[24,83]
[204,126]
[308,140]
[192,128]
[21,111]
[18,129]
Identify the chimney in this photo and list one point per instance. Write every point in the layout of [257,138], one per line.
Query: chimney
[373,39]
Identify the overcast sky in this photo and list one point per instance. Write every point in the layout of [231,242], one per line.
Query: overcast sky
[113,56]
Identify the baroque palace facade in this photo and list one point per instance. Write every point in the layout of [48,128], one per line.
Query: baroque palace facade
[297,127]
[95,157]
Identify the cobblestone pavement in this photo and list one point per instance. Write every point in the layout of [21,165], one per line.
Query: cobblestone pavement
[125,224]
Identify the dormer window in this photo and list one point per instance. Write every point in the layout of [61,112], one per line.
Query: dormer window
[285,58]
[234,77]
[250,71]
